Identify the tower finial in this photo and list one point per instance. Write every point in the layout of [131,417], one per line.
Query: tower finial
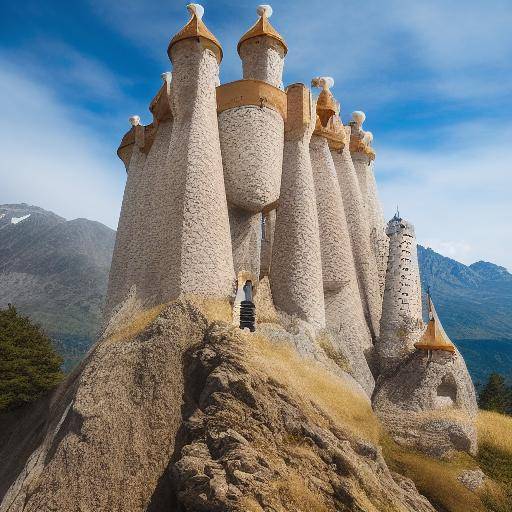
[134,120]
[263,28]
[326,104]
[196,29]
[359,117]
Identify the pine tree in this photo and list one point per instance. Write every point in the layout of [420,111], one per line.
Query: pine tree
[29,365]
[495,395]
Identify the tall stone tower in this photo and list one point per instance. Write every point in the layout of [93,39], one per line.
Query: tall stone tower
[296,268]
[363,157]
[359,230]
[343,306]
[205,263]
[184,239]
[401,324]
[252,138]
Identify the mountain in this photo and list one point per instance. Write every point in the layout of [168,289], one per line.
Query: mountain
[474,302]
[56,272]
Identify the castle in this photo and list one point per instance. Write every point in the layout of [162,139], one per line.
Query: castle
[252,188]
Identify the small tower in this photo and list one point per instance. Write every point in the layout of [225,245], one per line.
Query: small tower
[344,309]
[296,268]
[131,152]
[401,323]
[251,125]
[363,157]
[262,50]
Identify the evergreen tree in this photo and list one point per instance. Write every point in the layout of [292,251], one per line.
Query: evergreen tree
[29,365]
[495,395]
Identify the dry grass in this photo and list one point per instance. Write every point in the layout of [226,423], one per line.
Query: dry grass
[495,459]
[434,478]
[309,380]
[297,495]
[139,322]
[325,343]
[495,431]
[213,309]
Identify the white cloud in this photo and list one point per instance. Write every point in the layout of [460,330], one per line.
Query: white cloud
[456,194]
[50,157]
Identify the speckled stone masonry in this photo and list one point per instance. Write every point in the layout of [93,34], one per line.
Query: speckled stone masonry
[366,177]
[296,268]
[344,310]
[206,261]
[252,140]
[359,230]
[246,240]
[263,59]
[128,236]
[401,324]
[267,240]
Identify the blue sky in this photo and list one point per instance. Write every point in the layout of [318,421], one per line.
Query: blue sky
[434,78]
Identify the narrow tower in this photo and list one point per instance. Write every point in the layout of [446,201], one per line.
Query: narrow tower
[131,152]
[251,125]
[296,268]
[401,323]
[343,305]
[363,157]
[359,229]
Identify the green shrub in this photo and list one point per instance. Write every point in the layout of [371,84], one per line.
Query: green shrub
[29,365]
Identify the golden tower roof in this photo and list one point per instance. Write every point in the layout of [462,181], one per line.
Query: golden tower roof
[196,29]
[263,28]
[434,337]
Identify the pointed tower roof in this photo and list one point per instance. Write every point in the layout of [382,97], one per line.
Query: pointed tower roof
[434,338]
[263,28]
[196,29]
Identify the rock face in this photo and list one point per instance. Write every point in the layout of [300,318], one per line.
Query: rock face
[185,416]
[430,405]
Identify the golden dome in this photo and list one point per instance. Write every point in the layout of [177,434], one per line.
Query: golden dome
[434,337]
[196,29]
[263,28]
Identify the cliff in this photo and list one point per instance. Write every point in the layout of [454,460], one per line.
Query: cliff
[180,411]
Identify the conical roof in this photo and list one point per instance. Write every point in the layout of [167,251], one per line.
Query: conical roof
[434,338]
[196,28]
[263,28]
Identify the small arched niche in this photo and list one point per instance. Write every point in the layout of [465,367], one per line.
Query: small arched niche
[446,393]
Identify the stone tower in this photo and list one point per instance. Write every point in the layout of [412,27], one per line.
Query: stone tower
[363,157]
[184,240]
[401,324]
[359,230]
[252,138]
[296,268]
[343,306]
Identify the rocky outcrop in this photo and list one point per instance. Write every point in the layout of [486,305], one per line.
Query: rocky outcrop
[430,404]
[193,414]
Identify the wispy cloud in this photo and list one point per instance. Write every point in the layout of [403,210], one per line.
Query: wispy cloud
[50,157]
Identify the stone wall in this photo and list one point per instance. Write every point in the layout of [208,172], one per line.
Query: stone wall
[263,59]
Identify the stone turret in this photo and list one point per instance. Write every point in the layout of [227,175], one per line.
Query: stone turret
[344,311]
[197,218]
[251,124]
[363,157]
[401,323]
[296,268]
[359,230]
[131,152]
